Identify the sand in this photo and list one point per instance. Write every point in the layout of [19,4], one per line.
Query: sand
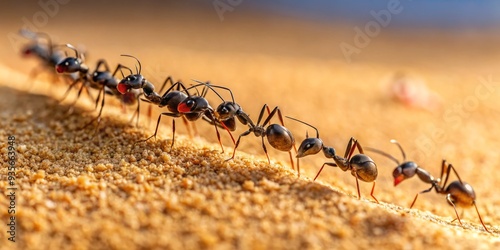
[81,189]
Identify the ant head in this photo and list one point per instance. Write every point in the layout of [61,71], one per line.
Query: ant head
[309,146]
[69,65]
[134,81]
[404,171]
[193,104]
[227,110]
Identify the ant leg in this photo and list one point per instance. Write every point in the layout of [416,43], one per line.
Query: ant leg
[291,161]
[98,118]
[99,97]
[158,125]
[280,116]
[269,116]
[186,123]
[350,148]
[265,150]
[298,165]
[331,164]
[238,143]
[104,63]
[262,114]
[69,88]
[218,137]
[371,193]
[422,192]
[173,133]
[414,200]
[137,113]
[78,96]
[448,198]
[357,185]
[480,219]
[169,79]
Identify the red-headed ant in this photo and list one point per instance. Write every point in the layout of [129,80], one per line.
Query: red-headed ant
[171,98]
[196,106]
[227,111]
[277,135]
[102,80]
[361,166]
[458,193]
[43,49]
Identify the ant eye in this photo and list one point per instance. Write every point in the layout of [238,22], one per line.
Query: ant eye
[66,63]
[190,103]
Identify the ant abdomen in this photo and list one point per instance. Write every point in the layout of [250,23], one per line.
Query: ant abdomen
[461,194]
[172,100]
[364,167]
[280,137]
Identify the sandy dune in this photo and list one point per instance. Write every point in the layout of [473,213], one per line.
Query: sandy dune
[83,190]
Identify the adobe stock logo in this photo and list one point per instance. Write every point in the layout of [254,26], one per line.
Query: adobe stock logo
[39,19]
[223,6]
[363,37]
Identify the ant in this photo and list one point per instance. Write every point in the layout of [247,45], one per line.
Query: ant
[227,111]
[458,193]
[361,166]
[102,80]
[277,135]
[42,48]
[107,83]
[171,98]
[196,106]
[70,65]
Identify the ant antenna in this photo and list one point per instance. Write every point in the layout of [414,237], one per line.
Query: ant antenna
[388,155]
[72,48]
[401,148]
[305,123]
[210,86]
[217,86]
[139,62]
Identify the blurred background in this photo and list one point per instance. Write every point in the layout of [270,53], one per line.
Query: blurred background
[423,72]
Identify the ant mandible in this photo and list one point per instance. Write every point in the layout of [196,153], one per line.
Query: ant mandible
[361,166]
[458,193]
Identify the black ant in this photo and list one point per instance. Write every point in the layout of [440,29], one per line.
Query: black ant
[227,111]
[361,166]
[107,83]
[458,193]
[102,80]
[71,65]
[278,136]
[196,106]
[43,49]
[171,98]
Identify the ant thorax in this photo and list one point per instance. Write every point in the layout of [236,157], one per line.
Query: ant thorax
[258,131]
